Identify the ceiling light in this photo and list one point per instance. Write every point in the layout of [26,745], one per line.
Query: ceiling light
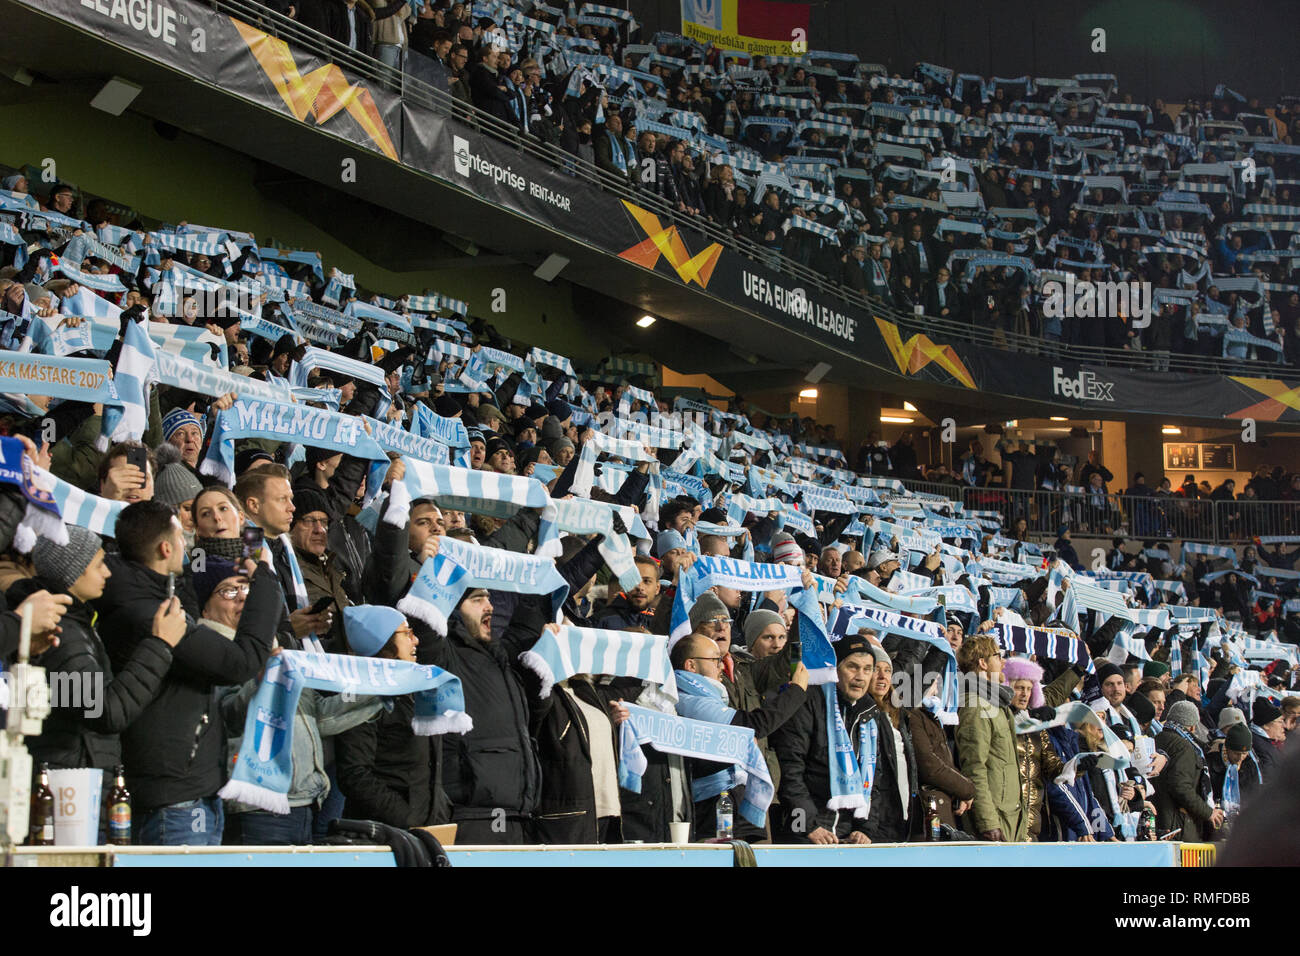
[1171,430]
[645,321]
[896,420]
[1059,418]
[808,393]
[1014,423]
[909,407]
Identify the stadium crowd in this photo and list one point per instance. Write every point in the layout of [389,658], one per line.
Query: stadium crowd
[330,472]
[949,194]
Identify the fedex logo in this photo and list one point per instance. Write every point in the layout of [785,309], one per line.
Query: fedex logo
[1086,386]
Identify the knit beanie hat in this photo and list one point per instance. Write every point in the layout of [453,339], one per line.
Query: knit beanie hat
[1263,711]
[707,607]
[307,501]
[1240,738]
[175,484]
[215,570]
[62,564]
[1183,714]
[1140,707]
[785,550]
[177,418]
[759,621]
[1229,717]
[370,626]
[1155,669]
[668,541]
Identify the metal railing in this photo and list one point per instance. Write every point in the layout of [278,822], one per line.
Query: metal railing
[421,94]
[1134,516]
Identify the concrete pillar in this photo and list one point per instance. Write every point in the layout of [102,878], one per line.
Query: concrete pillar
[1114,454]
[1146,453]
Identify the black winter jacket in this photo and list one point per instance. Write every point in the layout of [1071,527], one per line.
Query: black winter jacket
[175,749]
[495,765]
[383,769]
[83,731]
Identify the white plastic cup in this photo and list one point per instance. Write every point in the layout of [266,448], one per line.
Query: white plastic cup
[680,832]
[77,800]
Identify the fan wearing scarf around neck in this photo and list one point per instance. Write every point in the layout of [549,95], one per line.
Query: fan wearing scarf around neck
[827,752]
[697,665]
[1184,798]
[1235,773]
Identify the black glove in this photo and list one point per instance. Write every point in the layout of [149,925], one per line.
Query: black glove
[617,521]
[1087,761]
[1042,713]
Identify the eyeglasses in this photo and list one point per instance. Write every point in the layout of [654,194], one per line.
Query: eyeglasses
[234,591]
[317,522]
[705,658]
[718,623]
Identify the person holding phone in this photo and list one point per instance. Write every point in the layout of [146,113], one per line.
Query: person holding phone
[322,571]
[175,750]
[126,473]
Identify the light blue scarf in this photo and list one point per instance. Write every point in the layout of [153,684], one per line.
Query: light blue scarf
[298,424]
[852,770]
[264,769]
[587,650]
[702,740]
[458,567]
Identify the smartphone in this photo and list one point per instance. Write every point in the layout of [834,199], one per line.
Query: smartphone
[138,457]
[253,538]
[322,604]
[171,587]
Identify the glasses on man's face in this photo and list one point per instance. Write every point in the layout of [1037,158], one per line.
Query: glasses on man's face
[719,659]
[719,623]
[234,591]
[317,522]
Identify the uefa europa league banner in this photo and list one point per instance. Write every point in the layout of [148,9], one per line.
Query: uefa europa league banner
[246,61]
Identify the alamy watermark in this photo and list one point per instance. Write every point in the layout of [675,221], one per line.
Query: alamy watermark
[1083,299]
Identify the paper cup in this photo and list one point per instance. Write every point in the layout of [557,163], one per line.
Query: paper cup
[680,832]
[77,797]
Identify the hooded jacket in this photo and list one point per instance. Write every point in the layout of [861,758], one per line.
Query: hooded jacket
[71,736]
[175,750]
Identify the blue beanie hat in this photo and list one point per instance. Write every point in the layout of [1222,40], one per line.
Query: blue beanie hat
[370,626]
[177,417]
[667,541]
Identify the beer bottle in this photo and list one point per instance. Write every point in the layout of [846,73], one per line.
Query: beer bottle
[932,822]
[41,832]
[119,810]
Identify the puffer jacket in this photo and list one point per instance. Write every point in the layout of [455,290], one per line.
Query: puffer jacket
[383,769]
[83,730]
[175,750]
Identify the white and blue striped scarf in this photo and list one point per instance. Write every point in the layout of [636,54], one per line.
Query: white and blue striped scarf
[581,516]
[852,769]
[78,507]
[295,424]
[701,740]
[1045,643]
[458,566]
[132,377]
[263,771]
[851,618]
[584,650]
[314,358]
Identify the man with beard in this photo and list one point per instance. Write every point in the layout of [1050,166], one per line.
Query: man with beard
[634,610]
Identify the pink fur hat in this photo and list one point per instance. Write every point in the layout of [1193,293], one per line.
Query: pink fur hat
[1017,668]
